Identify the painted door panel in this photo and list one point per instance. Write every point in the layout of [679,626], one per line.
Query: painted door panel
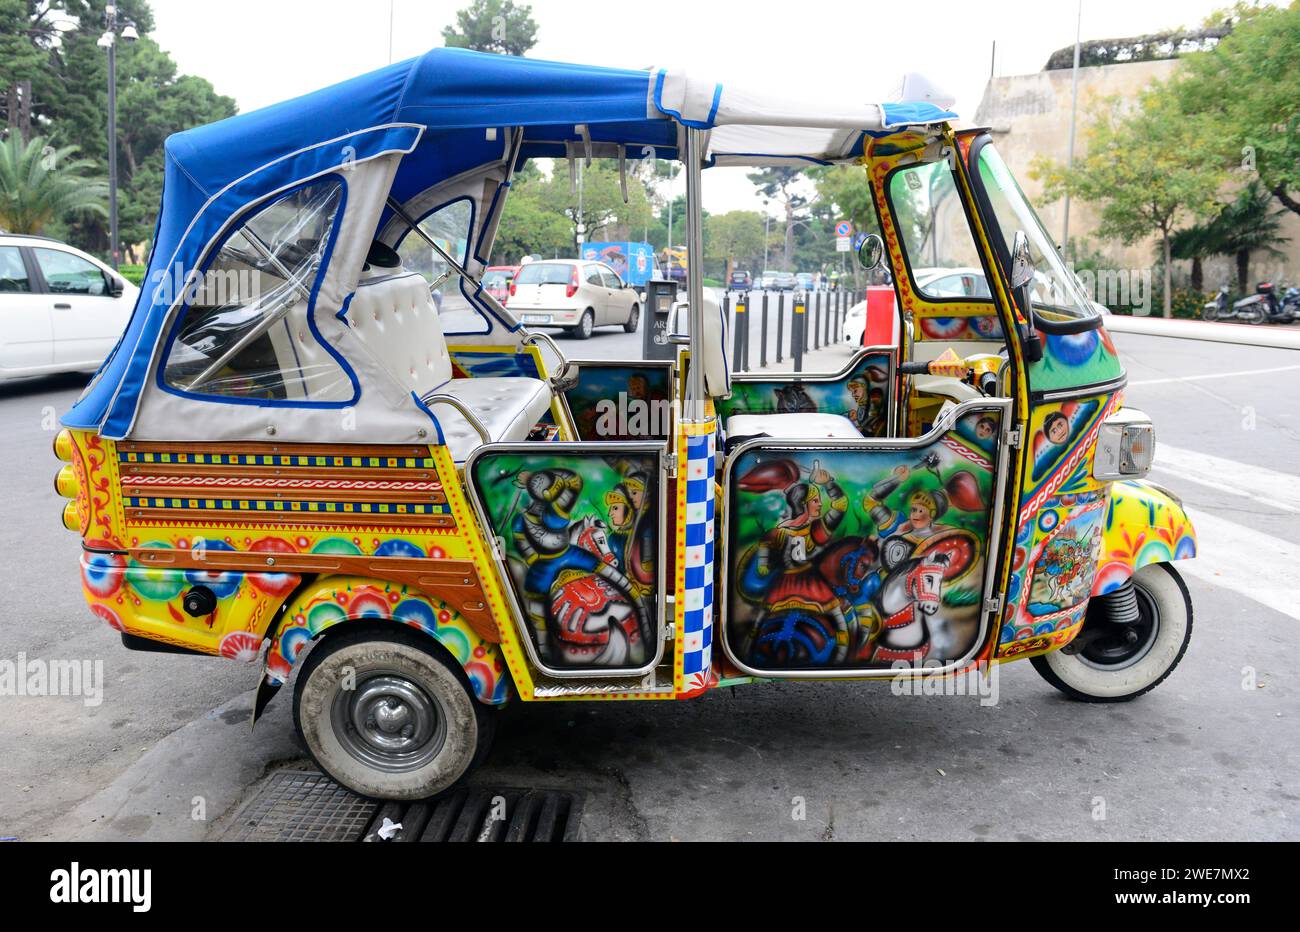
[580,530]
[854,557]
[621,401]
[862,393]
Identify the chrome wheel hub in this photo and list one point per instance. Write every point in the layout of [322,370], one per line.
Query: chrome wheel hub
[389,723]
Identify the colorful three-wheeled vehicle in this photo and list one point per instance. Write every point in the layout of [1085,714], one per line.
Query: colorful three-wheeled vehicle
[319,431]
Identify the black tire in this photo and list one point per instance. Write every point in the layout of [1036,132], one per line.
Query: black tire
[1160,589]
[633,319]
[403,678]
[585,326]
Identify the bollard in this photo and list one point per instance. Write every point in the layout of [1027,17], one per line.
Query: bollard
[762,344]
[737,319]
[798,334]
[780,325]
[817,320]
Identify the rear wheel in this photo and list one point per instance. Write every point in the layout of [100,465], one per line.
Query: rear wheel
[386,716]
[583,330]
[1114,661]
[633,319]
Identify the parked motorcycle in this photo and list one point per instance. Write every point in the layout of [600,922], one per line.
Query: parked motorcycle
[1252,309]
[1219,308]
[1291,303]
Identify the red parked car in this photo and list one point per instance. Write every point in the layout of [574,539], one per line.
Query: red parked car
[497,279]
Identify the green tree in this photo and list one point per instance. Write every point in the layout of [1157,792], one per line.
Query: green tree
[1151,169]
[153,101]
[27,34]
[734,237]
[493,26]
[528,226]
[778,184]
[40,185]
[1245,225]
[1246,90]
[602,211]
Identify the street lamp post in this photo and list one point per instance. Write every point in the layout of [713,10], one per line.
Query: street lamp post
[108,41]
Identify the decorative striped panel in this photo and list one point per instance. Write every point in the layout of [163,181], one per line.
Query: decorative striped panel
[697,620]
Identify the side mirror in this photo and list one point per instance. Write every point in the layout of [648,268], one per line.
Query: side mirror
[115,288]
[871,252]
[1022,263]
[1021,280]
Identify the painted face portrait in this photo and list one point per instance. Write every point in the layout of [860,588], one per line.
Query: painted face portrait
[985,428]
[1057,428]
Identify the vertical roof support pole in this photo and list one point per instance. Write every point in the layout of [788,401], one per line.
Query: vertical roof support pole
[695,390]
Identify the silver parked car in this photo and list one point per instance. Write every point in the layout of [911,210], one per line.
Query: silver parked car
[574,294]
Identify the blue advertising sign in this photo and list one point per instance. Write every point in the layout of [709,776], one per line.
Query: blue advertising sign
[633,262]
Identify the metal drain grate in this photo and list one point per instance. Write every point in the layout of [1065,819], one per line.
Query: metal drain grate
[296,805]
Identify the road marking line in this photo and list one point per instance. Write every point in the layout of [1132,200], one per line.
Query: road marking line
[1266,486]
[1212,375]
[1258,566]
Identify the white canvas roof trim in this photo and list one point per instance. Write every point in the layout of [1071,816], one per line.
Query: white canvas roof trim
[750,127]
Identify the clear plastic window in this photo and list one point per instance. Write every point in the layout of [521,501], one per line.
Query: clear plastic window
[932,228]
[1055,292]
[247,331]
[449,227]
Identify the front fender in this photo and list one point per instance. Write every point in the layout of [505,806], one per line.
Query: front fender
[1144,524]
[333,600]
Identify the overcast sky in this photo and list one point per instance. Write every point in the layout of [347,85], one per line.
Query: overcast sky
[263,51]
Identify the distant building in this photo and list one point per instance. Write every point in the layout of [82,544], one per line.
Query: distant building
[1029,115]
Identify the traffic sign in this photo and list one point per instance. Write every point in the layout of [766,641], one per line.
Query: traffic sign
[843,228]
[858,241]
[843,244]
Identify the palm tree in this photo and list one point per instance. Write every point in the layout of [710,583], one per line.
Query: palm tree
[1247,224]
[40,184]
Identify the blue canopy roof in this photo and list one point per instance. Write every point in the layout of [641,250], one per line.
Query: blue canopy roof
[433,109]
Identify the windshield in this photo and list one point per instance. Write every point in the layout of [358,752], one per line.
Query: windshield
[1055,292]
[544,273]
[495,277]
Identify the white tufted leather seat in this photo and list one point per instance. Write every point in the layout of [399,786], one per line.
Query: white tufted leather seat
[394,315]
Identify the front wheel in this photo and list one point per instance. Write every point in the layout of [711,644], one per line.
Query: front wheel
[383,714]
[633,319]
[1119,661]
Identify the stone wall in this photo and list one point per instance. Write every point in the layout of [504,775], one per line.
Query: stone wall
[1029,115]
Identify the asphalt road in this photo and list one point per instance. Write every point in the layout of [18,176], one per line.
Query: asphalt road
[1210,754]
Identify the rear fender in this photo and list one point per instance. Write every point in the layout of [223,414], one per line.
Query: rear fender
[335,600]
[1144,524]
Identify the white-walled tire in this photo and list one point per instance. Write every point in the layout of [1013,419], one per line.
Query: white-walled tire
[408,728]
[1106,671]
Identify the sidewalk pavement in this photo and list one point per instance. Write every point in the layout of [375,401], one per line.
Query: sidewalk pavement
[178,789]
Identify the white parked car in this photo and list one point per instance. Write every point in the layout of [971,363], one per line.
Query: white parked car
[935,282]
[63,310]
[574,294]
